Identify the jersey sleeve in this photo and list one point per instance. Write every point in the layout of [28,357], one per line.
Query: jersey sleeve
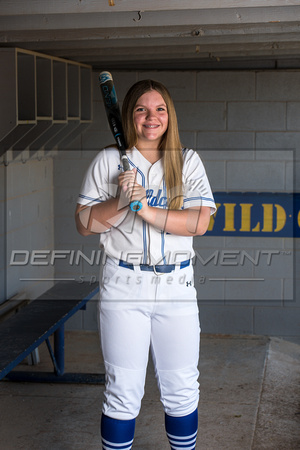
[96,187]
[196,187]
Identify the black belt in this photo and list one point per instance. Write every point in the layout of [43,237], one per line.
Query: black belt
[159,268]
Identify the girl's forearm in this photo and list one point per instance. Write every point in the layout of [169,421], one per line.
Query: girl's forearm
[187,222]
[99,218]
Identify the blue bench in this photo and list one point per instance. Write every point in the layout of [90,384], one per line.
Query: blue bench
[22,333]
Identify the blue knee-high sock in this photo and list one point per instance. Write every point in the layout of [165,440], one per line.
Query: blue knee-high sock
[182,431]
[117,434]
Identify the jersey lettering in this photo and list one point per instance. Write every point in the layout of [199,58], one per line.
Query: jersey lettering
[156,200]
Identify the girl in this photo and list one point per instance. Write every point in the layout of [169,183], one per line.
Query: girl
[147,294]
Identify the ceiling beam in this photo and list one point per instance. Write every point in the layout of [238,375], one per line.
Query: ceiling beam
[35,7]
[73,42]
[96,38]
[120,20]
[210,62]
[184,52]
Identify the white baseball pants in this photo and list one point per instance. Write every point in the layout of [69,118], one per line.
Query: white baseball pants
[139,311]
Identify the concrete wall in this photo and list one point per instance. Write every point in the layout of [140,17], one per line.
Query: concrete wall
[246,127]
[27,221]
[2,234]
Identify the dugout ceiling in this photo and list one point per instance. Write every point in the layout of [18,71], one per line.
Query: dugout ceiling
[160,34]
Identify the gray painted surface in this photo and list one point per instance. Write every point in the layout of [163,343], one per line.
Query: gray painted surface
[29,219]
[2,235]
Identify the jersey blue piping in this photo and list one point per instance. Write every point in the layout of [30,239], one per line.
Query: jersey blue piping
[90,198]
[162,232]
[198,198]
[144,223]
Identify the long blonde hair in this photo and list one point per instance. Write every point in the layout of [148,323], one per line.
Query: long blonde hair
[170,143]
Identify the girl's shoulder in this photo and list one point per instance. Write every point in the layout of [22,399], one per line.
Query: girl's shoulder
[192,164]
[110,151]
[189,154]
[107,153]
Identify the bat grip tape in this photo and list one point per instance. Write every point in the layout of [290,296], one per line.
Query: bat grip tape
[136,205]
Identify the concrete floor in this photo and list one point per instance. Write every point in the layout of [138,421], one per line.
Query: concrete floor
[249,400]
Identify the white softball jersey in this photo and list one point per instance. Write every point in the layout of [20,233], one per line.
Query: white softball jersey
[131,239]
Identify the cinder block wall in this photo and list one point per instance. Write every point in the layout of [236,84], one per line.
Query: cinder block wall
[27,224]
[2,234]
[246,127]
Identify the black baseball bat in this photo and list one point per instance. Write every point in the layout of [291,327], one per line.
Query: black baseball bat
[115,122]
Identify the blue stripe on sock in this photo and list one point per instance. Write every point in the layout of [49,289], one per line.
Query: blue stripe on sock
[180,439]
[183,444]
[106,445]
[117,434]
[182,431]
[182,426]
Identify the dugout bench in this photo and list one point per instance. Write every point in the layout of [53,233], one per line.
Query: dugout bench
[22,333]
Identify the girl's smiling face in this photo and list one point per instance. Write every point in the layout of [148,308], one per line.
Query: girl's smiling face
[151,119]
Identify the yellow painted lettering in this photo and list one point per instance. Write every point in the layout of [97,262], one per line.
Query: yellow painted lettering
[281,218]
[246,216]
[257,227]
[229,216]
[267,217]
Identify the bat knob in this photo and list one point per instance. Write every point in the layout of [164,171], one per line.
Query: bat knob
[105,76]
[136,206]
